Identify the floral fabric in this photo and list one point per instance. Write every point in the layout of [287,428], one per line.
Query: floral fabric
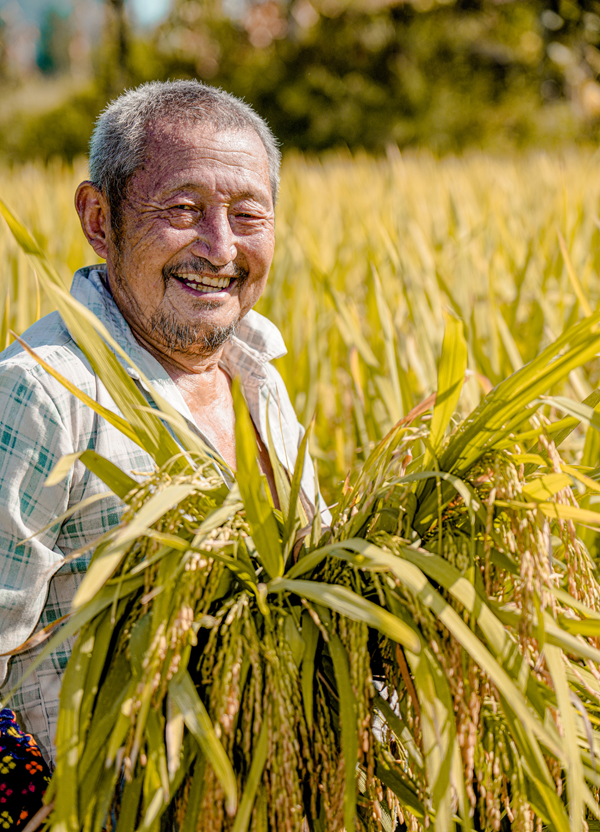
[24,775]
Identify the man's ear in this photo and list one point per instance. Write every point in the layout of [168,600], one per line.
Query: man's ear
[93,212]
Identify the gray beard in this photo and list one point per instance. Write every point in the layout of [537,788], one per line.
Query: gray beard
[181,337]
[202,340]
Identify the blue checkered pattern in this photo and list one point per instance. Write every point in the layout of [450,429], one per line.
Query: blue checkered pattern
[40,421]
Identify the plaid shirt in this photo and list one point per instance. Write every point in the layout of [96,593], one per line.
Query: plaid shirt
[40,421]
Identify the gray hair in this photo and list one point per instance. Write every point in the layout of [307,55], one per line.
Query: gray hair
[118,143]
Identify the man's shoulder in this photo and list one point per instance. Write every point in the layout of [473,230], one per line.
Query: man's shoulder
[52,342]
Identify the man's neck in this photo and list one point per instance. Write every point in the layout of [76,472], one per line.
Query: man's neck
[188,370]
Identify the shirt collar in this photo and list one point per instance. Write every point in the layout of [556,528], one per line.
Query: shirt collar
[256,341]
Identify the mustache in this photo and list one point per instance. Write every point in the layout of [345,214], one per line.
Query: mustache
[199,266]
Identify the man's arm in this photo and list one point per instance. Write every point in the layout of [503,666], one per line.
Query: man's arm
[33,438]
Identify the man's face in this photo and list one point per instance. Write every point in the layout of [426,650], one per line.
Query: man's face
[196,239]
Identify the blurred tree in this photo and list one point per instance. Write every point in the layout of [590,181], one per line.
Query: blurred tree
[116,48]
[369,72]
[4,68]
[447,74]
[55,37]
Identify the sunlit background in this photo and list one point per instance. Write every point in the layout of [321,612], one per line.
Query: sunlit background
[493,74]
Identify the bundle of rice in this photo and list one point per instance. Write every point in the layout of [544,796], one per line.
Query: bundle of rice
[430,659]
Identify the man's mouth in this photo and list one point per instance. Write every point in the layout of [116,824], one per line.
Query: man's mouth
[203,283]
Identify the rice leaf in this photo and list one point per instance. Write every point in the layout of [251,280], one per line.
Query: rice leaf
[27,243]
[575,778]
[389,338]
[103,565]
[438,732]
[354,606]
[151,433]
[310,634]
[111,475]
[184,694]
[348,725]
[259,758]
[451,375]
[113,418]
[296,509]
[543,488]
[282,483]
[415,580]
[258,510]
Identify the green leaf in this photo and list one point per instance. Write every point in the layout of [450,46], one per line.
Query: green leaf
[104,563]
[506,406]
[113,418]
[354,606]
[562,511]
[438,731]
[575,777]
[258,509]
[93,339]
[68,740]
[451,376]
[104,627]
[58,521]
[259,758]
[130,801]
[310,634]
[349,328]
[428,509]
[72,623]
[579,410]
[414,579]
[348,725]
[387,328]
[543,488]
[390,775]
[282,483]
[111,475]
[399,728]
[196,717]
[28,244]
[296,509]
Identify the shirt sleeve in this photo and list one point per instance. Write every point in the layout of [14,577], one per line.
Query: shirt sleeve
[32,439]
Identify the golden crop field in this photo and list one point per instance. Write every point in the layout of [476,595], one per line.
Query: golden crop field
[432,656]
[372,256]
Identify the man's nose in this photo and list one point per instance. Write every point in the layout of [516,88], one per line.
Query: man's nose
[216,240]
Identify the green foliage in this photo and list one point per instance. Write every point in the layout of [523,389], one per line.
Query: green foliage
[327,73]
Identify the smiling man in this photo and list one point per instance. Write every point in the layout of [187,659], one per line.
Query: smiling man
[188,251]
[180,205]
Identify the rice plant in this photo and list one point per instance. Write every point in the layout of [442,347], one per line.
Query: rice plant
[431,659]
[371,256]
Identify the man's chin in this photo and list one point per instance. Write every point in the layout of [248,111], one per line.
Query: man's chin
[192,338]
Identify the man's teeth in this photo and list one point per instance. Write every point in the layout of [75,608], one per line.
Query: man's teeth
[207,284]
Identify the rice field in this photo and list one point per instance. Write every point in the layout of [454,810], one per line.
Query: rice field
[432,657]
[372,257]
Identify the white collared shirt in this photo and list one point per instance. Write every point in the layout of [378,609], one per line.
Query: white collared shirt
[40,421]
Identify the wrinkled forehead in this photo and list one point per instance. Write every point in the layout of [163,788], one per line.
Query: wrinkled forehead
[164,135]
[187,152]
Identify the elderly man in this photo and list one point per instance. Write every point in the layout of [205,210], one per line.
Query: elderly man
[180,205]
